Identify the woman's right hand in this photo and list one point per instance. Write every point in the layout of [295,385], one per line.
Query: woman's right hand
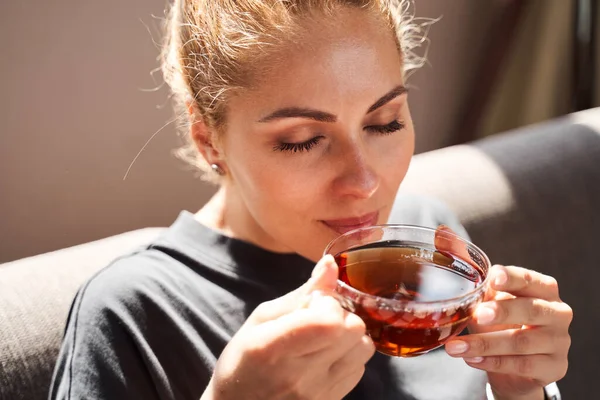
[303,345]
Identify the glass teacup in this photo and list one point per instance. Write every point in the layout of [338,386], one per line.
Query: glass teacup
[414,287]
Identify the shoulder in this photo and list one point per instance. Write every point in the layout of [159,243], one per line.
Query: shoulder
[136,324]
[424,211]
[126,277]
[132,286]
[107,350]
[137,290]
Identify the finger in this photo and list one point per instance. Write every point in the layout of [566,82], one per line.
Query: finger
[503,296]
[523,311]
[446,241]
[353,335]
[306,330]
[342,387]
[474,327]
[324,278]
[541,367]
[354,359]
[526,341]
[523,282]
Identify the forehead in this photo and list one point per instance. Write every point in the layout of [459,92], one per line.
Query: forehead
[336,57]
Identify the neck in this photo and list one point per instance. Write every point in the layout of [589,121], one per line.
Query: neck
[227,213]
[213,213]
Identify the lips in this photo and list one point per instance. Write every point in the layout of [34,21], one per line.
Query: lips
[342,226]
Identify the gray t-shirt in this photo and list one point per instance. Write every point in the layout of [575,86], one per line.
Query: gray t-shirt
[152,324]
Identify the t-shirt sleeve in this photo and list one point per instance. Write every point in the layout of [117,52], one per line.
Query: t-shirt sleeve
[131,335]
[99,358]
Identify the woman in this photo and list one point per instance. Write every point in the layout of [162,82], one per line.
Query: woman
[300,109]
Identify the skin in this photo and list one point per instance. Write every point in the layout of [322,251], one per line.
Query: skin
[276,199]
[279,200]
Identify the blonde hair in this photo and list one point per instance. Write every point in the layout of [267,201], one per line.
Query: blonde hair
[211,45]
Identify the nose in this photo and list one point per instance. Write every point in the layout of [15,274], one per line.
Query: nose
[357,178]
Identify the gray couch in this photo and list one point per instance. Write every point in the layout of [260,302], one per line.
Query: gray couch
[529,197]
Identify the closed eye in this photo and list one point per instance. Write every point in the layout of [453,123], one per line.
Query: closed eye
[298,147]
[306,146]
[387,129]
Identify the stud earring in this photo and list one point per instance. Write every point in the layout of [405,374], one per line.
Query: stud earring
[217,169]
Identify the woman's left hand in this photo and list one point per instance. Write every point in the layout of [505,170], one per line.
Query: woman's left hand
[520,336]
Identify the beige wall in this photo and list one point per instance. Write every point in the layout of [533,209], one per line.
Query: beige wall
[440,88]
[72,116]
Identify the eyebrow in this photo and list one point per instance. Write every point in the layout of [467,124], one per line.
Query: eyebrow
[389,96]
[322,116]
[299,112]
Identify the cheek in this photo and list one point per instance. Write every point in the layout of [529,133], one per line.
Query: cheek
[394,158]
[273,184]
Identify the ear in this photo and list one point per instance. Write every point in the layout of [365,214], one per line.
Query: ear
[203,137]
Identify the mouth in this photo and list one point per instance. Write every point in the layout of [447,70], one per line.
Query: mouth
[344,225]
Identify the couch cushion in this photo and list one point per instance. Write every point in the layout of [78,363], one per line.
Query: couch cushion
[35,295]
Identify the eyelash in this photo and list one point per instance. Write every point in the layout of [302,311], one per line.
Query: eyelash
[394,126]
[298,147]
[388,129]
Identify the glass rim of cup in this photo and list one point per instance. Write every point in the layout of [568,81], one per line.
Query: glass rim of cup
[394,303]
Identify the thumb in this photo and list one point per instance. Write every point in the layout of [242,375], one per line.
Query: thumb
[323,279]
[448,243]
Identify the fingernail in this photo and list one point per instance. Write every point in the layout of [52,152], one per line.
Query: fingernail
[485,315]
[473,360]
[501,278]
[456,347]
